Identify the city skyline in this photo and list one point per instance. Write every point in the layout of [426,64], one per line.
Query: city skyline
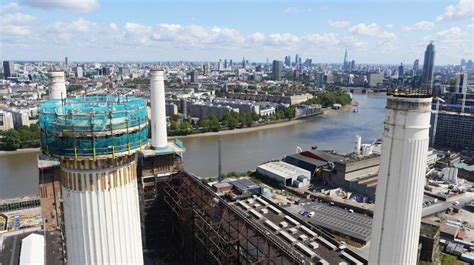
[98,30]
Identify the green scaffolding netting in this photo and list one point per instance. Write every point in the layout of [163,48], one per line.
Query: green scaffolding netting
[94,125]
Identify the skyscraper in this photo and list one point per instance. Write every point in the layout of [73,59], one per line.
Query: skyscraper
[398,207]
[8,69]
[195,76]
[288,60]
[415,66]
[297,57]
[428,66]
[205,69]
[345,65]
[401,69]
[243,62]
[276,70]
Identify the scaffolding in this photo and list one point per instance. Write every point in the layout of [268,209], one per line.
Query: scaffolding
[202,228]
[93,126]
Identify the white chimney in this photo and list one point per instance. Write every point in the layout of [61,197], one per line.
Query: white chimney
[358,143]
[159,135]
[398,208]
[57,88]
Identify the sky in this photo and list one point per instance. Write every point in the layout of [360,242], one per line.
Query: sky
[383,31]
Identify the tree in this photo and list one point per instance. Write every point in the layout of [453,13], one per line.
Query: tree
[249,120]
[12,140]
[214,124]
[174,126]
[232,122]
[255,116]
[174,117]
[204,123]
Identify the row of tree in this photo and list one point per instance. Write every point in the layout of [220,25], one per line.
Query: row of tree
[23,137]
[327,99]
[231,120]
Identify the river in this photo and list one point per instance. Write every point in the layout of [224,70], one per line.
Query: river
[240,152]
[245,151]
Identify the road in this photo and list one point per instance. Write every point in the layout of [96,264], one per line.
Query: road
[443,205]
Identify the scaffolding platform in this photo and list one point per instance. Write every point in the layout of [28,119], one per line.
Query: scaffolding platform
[104,126]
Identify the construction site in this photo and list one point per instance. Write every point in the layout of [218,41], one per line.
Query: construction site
[115,195]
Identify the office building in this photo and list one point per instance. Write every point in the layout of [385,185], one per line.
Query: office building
[401,70]
[8,69]
[200,109]
[345,64]
[288,60]
[416,66]
[78,72]
[454,130]
[398,207]
[6,121]
[20,118]
[205,69]
[428,66]
[277,70]
[195,77]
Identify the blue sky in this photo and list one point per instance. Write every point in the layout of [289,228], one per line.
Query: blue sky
[387,32]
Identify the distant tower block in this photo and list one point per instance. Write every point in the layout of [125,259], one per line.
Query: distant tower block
[96,140]
[57,88]
[159,135]
[399,195]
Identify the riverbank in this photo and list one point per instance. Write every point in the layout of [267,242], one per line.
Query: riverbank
[326,111]
[20,151]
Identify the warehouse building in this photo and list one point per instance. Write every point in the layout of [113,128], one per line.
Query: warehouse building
[285,174]
[304,162]
[244,186]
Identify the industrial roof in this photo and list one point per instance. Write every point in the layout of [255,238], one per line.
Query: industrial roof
[32,250]
[244,184]
[317,163]
[284,168]
[322,155]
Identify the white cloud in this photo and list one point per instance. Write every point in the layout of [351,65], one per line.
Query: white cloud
[463,9]
[75,5]
[114,27]
[16,24]
[389,26]
[419,26]
[453,42]
[8,7]
[365,29]
[339,23]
